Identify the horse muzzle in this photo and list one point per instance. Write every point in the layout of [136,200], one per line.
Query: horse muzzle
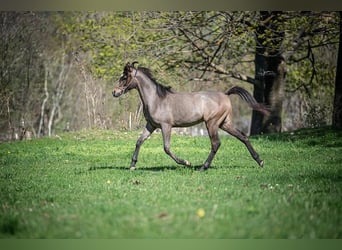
[117,92]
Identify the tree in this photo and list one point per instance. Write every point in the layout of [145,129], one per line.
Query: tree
[287,44]
[33,72]
[222,40]
[20,69]
[337,113]
[269,72]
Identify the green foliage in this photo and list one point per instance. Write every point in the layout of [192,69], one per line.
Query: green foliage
[36,43]
[78,185]
[113,38]
[311,69]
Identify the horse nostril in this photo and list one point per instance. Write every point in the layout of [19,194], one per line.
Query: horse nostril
[116,93]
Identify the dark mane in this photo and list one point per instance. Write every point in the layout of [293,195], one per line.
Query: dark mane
[162,90]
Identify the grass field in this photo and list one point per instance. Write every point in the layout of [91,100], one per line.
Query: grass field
[78,185]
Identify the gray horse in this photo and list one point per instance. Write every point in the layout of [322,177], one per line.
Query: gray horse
[165,108]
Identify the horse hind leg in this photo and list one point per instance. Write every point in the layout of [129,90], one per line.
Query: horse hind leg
[243,138]
[215,145]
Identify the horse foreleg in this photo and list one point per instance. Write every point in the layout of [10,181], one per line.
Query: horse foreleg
[145,134]
[243,138]
[166,131]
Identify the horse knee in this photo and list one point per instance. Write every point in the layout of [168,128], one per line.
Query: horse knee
[138,143]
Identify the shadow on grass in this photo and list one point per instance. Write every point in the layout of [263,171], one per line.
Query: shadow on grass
[155,168]
[161,168]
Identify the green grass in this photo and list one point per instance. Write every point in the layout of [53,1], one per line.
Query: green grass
[78,185]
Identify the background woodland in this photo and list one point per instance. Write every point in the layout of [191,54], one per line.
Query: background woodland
[58,69]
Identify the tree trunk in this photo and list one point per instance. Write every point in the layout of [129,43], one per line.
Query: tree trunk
[59,90]
[269,73]
[258,93]
[42,109]
[274,93]
[337,112]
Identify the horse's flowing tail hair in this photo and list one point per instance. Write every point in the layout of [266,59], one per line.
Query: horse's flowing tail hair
[246,96]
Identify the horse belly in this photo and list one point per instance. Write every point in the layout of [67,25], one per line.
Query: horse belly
[186,111]
[187,115]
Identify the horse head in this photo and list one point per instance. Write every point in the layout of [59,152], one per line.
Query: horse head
[126,80]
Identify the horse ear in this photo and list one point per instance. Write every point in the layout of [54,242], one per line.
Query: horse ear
[134,63]
[128,67]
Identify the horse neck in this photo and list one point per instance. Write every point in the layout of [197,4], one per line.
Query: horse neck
[147,90]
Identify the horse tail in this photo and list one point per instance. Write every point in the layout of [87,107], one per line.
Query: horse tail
[246,96]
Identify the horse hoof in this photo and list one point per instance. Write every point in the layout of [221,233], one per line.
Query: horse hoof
[187,163]
[261,163]
[132,168]
[203,168]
